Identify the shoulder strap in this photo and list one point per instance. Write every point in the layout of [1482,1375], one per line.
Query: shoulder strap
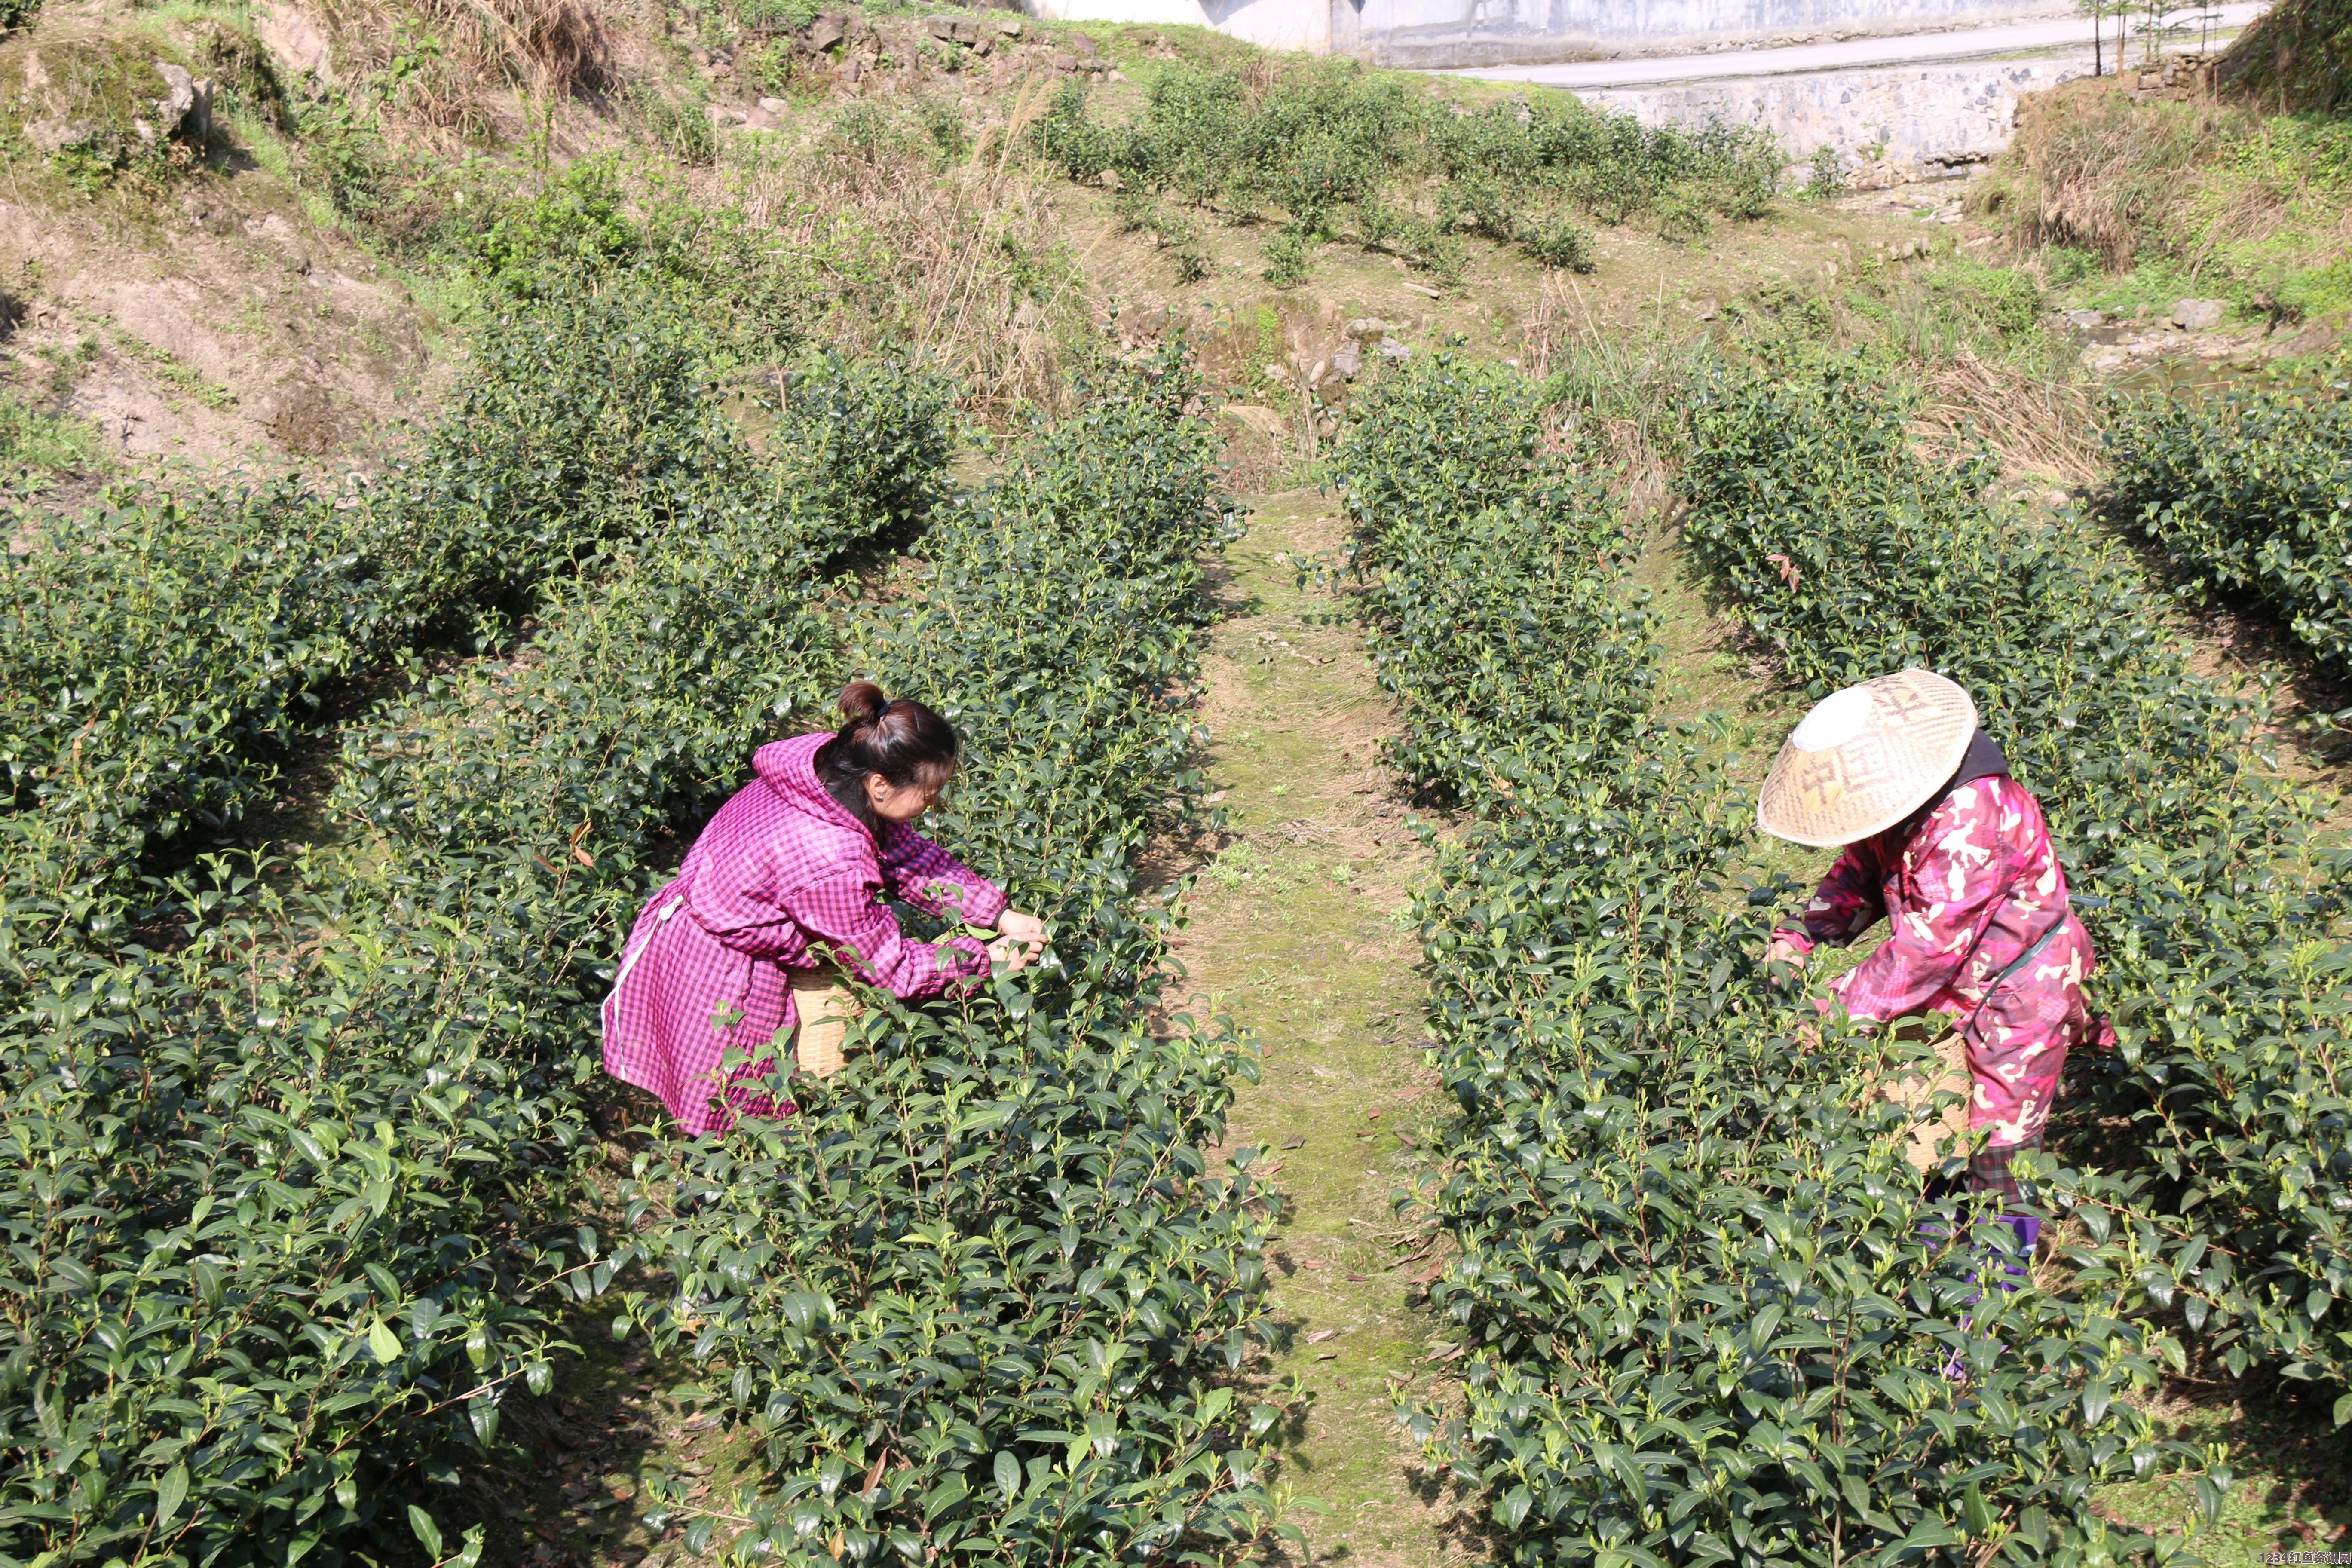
[2019,961]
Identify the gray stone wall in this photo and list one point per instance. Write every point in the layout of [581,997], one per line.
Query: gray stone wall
[1888,123]
[1470,33]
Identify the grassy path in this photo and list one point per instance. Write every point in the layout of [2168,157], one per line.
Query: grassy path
[1295,934]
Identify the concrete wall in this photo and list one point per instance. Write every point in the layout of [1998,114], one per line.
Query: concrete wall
[1460,32]
[1272,24]
[1455,33]
[1895,122]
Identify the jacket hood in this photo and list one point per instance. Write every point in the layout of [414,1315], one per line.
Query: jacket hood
[789,767]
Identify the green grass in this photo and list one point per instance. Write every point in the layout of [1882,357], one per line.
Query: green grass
[36,445]
[1295,934]
[2293,1470]
[174,373]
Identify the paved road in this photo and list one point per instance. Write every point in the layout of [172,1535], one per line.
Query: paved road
[2066,34]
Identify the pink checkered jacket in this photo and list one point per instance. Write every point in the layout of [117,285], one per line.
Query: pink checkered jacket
[783,878]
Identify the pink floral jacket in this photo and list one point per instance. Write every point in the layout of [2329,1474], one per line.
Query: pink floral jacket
[783,878]
[1965,893]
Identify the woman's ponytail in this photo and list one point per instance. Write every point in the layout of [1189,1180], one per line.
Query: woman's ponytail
[906,743]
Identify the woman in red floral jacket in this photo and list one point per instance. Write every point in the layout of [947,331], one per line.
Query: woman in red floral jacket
[1955,855]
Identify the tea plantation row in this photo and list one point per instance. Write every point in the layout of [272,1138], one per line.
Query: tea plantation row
[286,1175]
[984,1295]
[2224,1127]
[161,655]
[1709,1310]
[2251,495]
[1340,151]
[280,1172]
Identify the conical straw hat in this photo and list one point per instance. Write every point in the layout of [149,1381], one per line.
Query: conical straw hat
[1866,758]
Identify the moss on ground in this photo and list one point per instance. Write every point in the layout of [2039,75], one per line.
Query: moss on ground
[1295,934]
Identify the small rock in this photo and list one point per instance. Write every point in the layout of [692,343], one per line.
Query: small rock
[1365,328]
[2198,315]
[1065,63]
[1321,369]
[2083,321]
[1010,26]
[1086,49]
[760,120]
[186,107]
[1109,180]
[1707,310]
[295,43]
[824,32]
[942,29]
[1347,362]
[57,135]
[1276,371]
[774,105]
[850,70]
[1115,75]
[1392,349]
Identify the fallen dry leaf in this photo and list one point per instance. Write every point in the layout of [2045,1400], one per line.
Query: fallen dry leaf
[1319,1335]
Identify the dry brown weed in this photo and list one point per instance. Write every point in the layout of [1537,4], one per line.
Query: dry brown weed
[965,263]
[2033,423]
[545,50]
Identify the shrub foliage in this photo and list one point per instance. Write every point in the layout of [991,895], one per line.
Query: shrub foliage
[983,1294]
[288,1142]
[1710,1311]
[2252,496]
[1332,151]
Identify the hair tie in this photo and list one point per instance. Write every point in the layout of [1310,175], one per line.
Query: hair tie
[884,708]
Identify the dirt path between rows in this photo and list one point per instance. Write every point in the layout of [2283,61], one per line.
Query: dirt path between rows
[1297,933]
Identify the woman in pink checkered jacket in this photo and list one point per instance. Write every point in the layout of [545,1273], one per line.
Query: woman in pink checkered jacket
[781,894]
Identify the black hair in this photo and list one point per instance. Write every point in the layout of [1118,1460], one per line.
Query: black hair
[906,743]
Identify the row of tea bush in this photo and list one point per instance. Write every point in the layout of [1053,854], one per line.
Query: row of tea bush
[295,1146]
[1709,1310]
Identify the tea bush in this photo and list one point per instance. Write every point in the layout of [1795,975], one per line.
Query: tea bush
[2214,904]
[1709,1310]
[276,1188]
[1342,152]
[2251,495]
[983,1294]
[1483,549]
[161,655]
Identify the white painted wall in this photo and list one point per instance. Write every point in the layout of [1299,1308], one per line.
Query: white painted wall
[1271,24]
[1456,33]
